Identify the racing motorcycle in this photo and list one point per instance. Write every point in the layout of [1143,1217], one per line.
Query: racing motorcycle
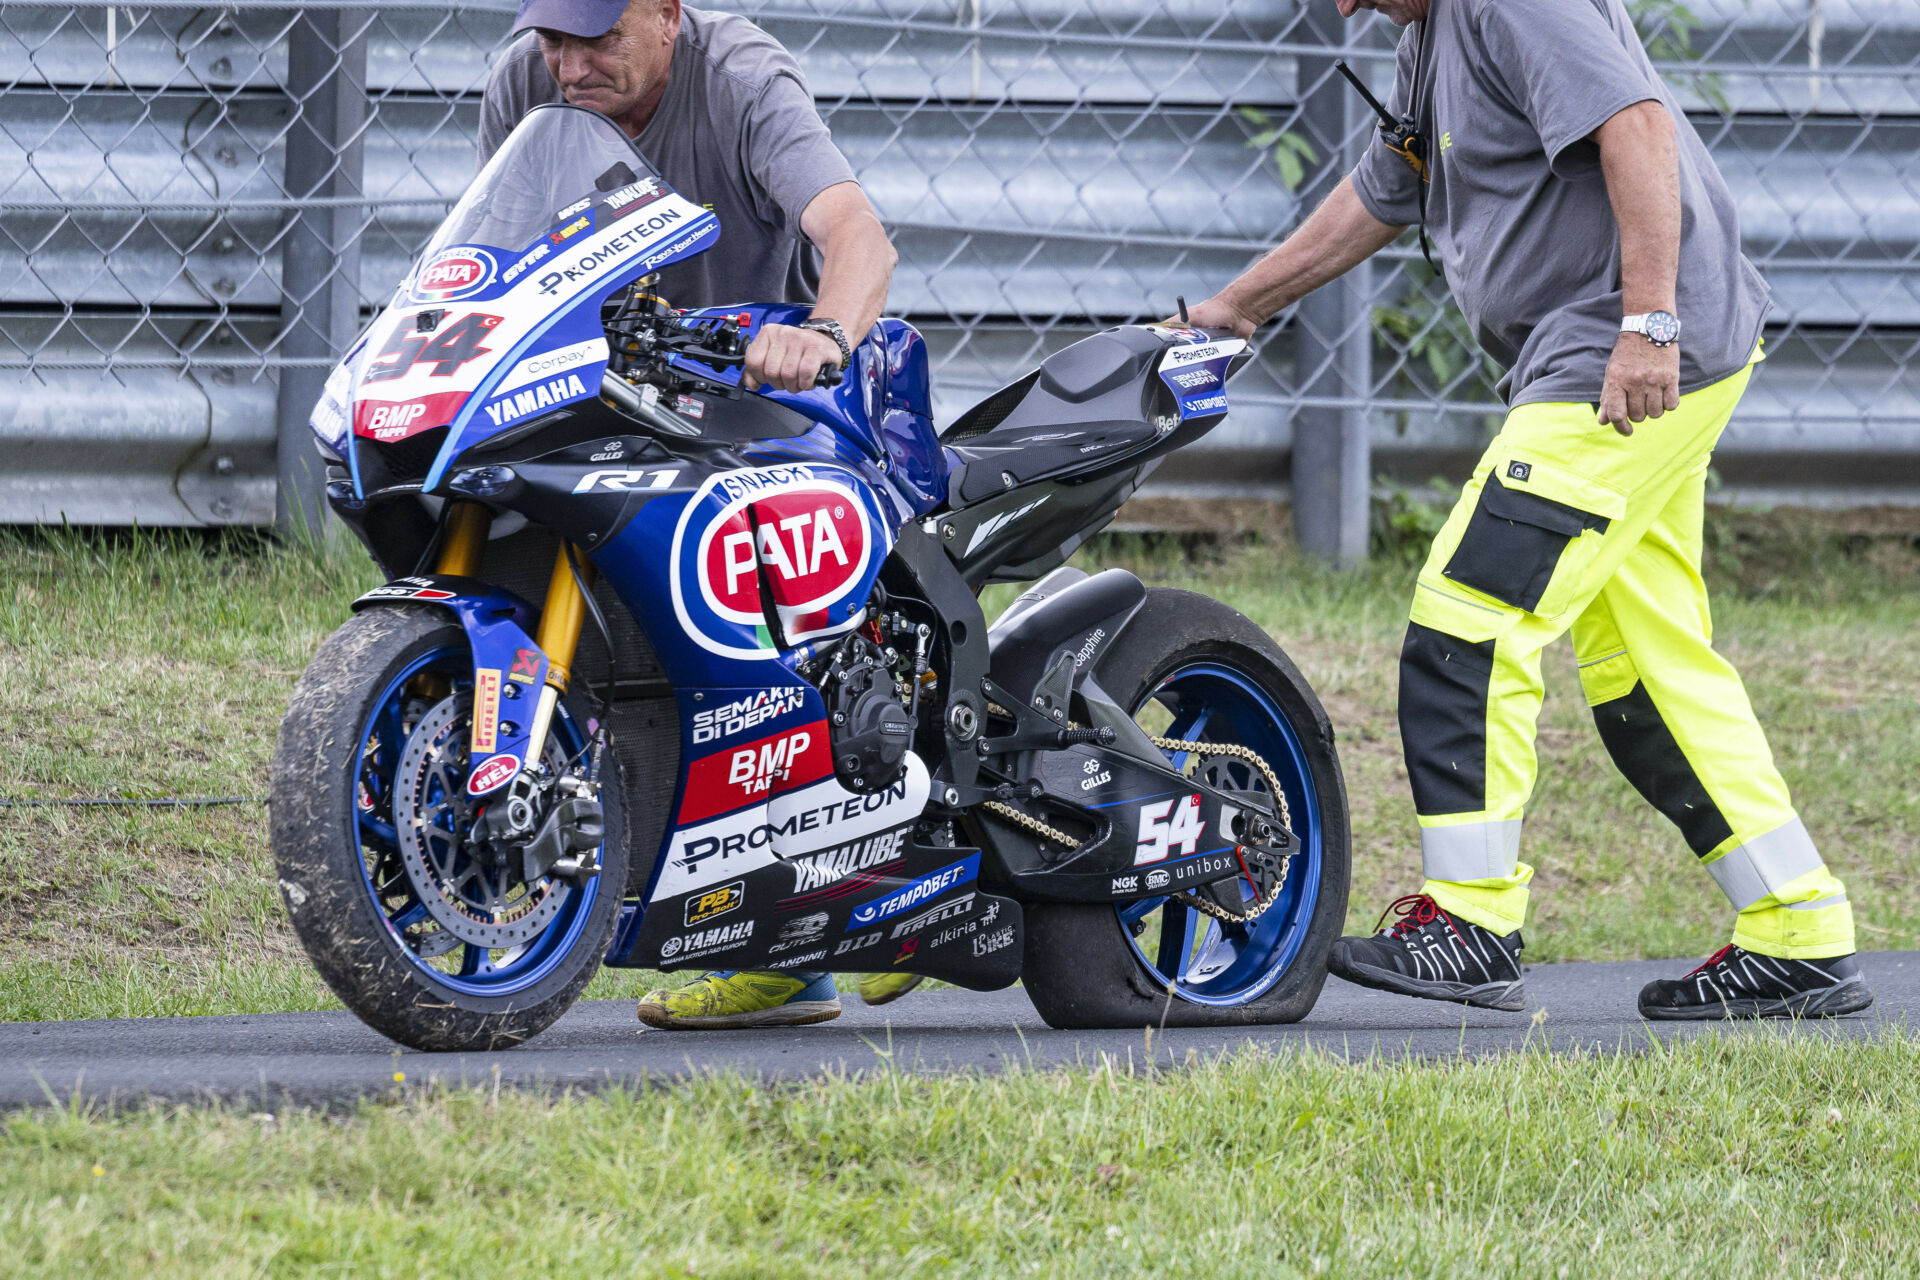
[672,674]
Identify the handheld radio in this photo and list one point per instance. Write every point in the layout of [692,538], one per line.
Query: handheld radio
[1402,136]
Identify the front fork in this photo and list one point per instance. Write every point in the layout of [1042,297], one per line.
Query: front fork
[561,617]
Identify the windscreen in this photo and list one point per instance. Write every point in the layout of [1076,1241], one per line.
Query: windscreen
[557,161]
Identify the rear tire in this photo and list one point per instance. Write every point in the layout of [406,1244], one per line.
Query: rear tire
[319,814]
[1081,966]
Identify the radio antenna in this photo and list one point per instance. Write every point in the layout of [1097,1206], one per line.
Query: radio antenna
[1341,66]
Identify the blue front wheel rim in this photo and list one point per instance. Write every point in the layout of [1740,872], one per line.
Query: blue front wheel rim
[465,968]
[1203,960]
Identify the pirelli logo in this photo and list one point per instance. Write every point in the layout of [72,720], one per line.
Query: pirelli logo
[486,710]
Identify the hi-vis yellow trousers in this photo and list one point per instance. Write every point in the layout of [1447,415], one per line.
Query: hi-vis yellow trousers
[1567,524]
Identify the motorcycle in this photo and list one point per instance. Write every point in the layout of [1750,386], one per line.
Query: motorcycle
[757,717]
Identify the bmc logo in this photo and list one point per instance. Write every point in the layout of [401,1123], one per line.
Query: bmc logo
[453,274]
[754,771]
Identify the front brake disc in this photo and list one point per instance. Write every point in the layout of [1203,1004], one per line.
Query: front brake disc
[470,898]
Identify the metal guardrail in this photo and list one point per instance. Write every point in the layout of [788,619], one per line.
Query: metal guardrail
[198,206]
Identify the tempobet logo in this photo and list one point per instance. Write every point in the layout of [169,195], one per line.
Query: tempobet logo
[453,274]
[803,529]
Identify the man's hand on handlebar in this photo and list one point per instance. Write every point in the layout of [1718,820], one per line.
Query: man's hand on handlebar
[789,359]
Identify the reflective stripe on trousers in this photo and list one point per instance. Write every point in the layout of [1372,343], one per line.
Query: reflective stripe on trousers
[1568,525]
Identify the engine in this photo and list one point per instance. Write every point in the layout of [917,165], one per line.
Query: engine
[870,729]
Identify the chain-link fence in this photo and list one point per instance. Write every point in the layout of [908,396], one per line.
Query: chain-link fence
[199,206]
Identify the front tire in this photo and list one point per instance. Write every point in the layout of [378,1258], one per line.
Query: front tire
[343,854]
[1221,679]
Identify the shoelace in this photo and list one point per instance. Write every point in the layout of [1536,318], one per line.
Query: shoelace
[1711,960]
[1416,911]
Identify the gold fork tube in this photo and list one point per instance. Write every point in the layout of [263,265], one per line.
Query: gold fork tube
[465,540]
[561,619]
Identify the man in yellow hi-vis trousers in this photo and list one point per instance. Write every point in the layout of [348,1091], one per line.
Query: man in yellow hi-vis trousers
[1581,223]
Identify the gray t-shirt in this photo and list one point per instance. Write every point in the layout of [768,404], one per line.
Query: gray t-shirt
[736,131]
[1518,204]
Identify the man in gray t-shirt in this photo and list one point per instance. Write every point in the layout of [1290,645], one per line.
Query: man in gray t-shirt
[1581,224]
[722,112]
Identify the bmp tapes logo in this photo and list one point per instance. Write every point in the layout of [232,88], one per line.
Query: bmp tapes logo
[804,530]
[453,274]
[735,776]
[872,913]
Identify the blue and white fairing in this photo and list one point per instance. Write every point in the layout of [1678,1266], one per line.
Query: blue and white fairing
[1195,370]
[500,320]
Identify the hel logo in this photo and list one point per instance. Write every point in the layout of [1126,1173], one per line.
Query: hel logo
[493,774]
[453,274]
[715,902]
[540,396]
[486,711]
[1158,836]
[526,666]
[812,544]
[729,779]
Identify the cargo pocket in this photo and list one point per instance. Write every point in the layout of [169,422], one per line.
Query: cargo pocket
[1527,549]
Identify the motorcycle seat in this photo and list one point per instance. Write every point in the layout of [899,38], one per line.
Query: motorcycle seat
[1084,407]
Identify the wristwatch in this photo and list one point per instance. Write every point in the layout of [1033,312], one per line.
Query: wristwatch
[820,324]
[1661,328]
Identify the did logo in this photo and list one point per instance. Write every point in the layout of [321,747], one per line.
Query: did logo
[453,274]
[803,531]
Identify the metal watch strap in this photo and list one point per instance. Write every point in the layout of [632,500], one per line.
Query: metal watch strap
[821,324]
[1642,324]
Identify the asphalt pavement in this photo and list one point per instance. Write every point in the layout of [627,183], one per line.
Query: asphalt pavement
[270,1061]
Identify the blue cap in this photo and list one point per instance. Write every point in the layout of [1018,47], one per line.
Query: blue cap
[584,18]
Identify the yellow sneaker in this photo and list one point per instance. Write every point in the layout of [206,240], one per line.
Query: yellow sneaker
[727,1001]
[879,988]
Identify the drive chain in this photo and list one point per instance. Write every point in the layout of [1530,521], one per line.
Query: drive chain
[1010,814]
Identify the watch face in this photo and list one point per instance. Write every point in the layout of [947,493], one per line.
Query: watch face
[1663,327]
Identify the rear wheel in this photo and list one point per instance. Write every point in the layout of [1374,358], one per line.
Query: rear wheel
[426,933]
[1193,669]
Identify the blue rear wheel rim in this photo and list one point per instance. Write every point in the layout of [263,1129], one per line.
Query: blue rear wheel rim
[466,968]
[1203,960]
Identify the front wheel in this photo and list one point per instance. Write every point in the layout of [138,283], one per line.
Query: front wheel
[429,933]
[1191,668]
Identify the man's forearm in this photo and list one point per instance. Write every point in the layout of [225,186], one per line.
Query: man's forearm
[1642,168]
[856,268]
[1334,239]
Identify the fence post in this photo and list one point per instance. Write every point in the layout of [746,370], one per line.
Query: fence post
[1333,343]
[320,257]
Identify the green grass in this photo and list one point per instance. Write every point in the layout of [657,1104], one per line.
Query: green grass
[1740,1156]
[159,664]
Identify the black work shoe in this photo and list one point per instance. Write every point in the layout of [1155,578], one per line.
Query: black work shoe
[1736,983]
[1427,953]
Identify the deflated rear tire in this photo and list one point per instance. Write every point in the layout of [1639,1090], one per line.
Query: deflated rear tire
[1084,966]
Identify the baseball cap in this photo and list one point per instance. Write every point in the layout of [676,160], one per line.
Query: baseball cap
[584,18]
